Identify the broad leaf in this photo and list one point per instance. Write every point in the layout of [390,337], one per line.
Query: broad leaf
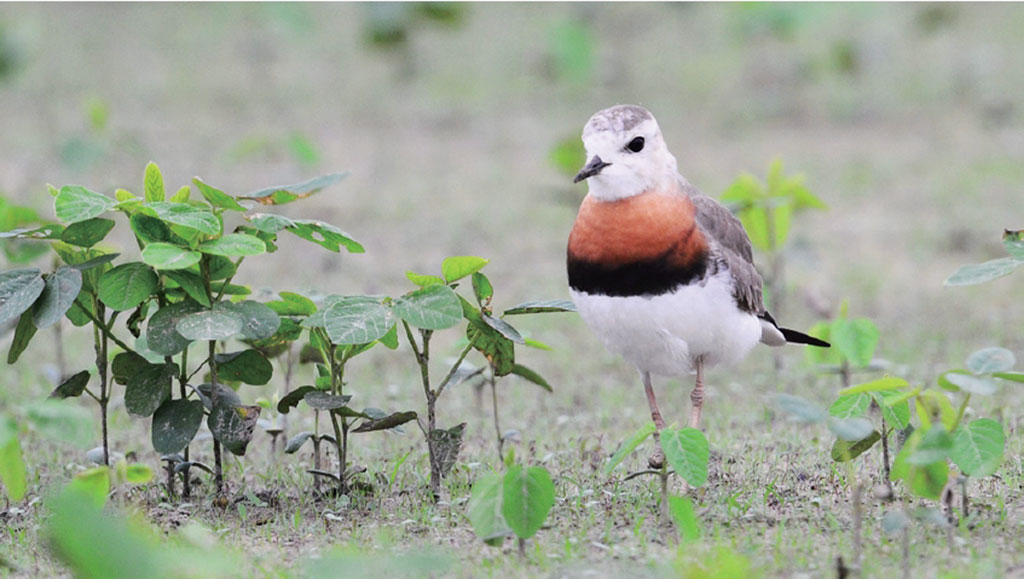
[503,328]
[288,193]
[527,497]
[356,321]
[627,447]
[844,450]
[855,339]
[687,452]
[19,289]
[990,360]
[325,235]
[292,399]
[72,387]
[175,424]
[62,287]
[850,406]
[87,233]
[258,320]
[234,245]
[216,197]
[127,285]
[924,480]
[982,272]
[162,334]
[978,447]
[233,425]
[247,366]
[148,389]
[209,325]
[484,509]
[186,215]
[126,365]
[162,255]
[895,414]
[982,385]
[497,349]
[456,268]
[422,280]
[292,304]
[75,203]
[434,307]
[191,283]
[882,384]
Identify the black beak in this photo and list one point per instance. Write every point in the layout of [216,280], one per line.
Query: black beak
[593,167]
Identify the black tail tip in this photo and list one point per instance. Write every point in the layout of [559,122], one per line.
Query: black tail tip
[795,337]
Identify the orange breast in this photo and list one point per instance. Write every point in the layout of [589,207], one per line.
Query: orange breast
[636,229]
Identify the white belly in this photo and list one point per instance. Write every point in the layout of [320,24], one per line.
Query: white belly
[665,334]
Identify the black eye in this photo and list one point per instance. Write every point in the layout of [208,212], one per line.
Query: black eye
[636,145]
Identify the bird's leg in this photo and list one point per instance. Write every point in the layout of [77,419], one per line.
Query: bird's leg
[697,396]
[658,458]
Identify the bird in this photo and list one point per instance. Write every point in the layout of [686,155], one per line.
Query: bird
[662,274]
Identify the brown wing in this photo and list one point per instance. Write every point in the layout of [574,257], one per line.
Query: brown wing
[733,244]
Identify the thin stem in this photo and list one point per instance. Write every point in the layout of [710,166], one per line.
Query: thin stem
[103,327]
[960,412]
[497,428]
[224,287]
[186,482]
[885,453]
[101,366]
[454,369]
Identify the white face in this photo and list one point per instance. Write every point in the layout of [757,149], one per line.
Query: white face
[628,139]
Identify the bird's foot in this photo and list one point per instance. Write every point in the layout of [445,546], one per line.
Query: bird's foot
[656,460]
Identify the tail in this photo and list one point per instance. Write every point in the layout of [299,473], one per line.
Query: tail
[795,337]
[774,335]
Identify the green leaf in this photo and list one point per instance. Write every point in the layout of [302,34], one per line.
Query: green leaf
[484,509]
[75,203]
[296,442]
[149,229]
[148,389]
[936,405]
[216,197]
[191,283]
[234,245]
[801,409]
[62,287]
[126,365]
[19,289]
[923,480]
[982,272]
[686,520]
[72,387]
[357,321]
[94,484]
[982,385]
[497,349]
[233,425]
[154,183]
[162,255]
[209,325]
[527,497]
[422,280]
[850,406]
[388,422]
[13,474]
[1011,376]
[22,336]
[292,304]
[175,424]
[137,474]
[539,307]
[978,447]
[162,334]
[844,450]
[288,193]
[325,401]
[631,444]
[458,267]
[182,195]
[934,446]
[1013,241]
[258,320]
[186,215]
[127,285]
[990,360]
[895,412]
[687,452]
[528,374]
[482,288]
[87,233]
[882,384]
[292,399]
[325,235]
[270,222]
[247,366]
[855,339]
[434,307]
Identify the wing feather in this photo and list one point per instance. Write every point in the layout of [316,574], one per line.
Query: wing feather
[733,245]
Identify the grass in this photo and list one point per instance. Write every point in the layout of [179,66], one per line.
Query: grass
[451,159]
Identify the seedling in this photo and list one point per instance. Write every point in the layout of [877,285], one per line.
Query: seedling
[854,342]
[515,503]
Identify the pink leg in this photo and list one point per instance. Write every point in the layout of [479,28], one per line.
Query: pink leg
[656,460]
[697,396]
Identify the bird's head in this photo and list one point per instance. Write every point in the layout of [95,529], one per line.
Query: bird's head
[626,154]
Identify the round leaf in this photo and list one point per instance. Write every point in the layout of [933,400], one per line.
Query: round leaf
[357,321]
[169,256]
[990,360]
[209,325]
[19,289]
[127,285]
[162,335]
[484,509]
[434,307]
[175,424]
[62,287]
[527,496]
[234,245]
[148,389]
[687,452]
[978,447]
[258,320]
[247,366]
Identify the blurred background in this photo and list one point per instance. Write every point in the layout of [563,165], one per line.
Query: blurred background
[459,124]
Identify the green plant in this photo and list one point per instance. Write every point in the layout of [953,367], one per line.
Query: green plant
[180,288]
[854,342]
[974,274]
[515,503]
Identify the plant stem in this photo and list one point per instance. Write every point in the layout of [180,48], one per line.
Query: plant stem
[186,483]
[423,359]
[100,339]
[455,368]
[97,321]
[960,412]
[885,454]
[497,428]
